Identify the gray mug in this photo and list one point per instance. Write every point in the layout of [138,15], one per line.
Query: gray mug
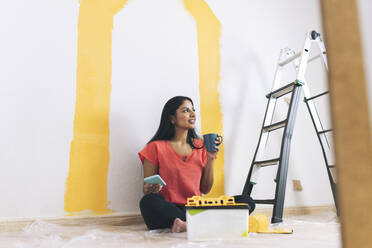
[209,141]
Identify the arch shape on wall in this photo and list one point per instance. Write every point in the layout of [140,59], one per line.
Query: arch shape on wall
[86,184]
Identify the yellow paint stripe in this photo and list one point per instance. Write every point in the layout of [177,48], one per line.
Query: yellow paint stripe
[86,185]
[208,30]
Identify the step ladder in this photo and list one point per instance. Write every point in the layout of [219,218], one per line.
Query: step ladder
[300,60]
[325,145]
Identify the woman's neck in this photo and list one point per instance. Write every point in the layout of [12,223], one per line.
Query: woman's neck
[180,136]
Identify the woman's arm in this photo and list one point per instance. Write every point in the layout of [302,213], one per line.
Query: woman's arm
[149,169]
[207,179]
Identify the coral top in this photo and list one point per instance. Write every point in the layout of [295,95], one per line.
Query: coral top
[182,177]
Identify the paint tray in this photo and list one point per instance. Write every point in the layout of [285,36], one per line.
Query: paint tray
[216,218]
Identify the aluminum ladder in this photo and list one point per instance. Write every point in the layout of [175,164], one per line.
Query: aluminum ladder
[300,60]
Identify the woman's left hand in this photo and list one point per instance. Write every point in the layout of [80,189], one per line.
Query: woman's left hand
[213,155]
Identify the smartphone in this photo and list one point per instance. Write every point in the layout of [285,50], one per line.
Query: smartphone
[155,179]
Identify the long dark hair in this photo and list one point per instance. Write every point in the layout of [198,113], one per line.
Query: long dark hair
[166,128]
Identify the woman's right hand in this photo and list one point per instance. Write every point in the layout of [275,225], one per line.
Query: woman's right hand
[151,188]
[150,170]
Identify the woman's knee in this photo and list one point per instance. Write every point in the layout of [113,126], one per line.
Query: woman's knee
[145,200]
[148,200]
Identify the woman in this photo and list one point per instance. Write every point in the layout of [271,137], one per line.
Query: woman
[179,157]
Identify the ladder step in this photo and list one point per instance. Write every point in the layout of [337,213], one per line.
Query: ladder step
[281,91]
[325,131]
[295,56]
[269,201]
[274,126]
[290,59]
[331,166]
[316,96]
[269,162]
[315,57]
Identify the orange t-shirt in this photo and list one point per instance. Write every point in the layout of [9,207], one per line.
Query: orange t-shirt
[182,177]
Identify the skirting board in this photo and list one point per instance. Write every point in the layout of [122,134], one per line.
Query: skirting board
[133,219]
[300,210]
[111,219]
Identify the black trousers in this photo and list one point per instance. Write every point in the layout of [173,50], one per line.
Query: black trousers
[159,213]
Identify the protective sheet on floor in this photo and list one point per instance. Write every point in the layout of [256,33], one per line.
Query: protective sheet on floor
[322,230]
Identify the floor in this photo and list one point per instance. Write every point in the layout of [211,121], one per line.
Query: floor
[316,230]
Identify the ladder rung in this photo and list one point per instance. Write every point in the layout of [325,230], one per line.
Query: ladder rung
[315,57]
[290,59]
[269,201]
[281,91]
[295,56]
[269,162]
[275,126]
[325,131]
[316,96]
[331,166]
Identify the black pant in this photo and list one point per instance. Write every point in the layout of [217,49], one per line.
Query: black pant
[159,213]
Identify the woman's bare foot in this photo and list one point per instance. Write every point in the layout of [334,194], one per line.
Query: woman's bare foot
[179,226]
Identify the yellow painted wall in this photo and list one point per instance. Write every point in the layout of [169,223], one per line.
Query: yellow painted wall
[86,186]
[209,30]
[39,108]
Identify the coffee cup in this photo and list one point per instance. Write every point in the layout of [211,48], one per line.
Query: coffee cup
[209,141]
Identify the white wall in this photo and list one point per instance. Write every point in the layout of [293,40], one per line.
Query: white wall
[252,36]
[154,57]
[38,71]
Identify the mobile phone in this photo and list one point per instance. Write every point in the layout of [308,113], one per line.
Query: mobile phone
[155,179]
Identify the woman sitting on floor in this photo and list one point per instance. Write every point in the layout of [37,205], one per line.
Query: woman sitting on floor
[179,157]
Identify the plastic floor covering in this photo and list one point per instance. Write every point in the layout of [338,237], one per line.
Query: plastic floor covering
[322,230]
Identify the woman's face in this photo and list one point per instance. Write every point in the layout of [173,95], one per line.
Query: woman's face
[185,116]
